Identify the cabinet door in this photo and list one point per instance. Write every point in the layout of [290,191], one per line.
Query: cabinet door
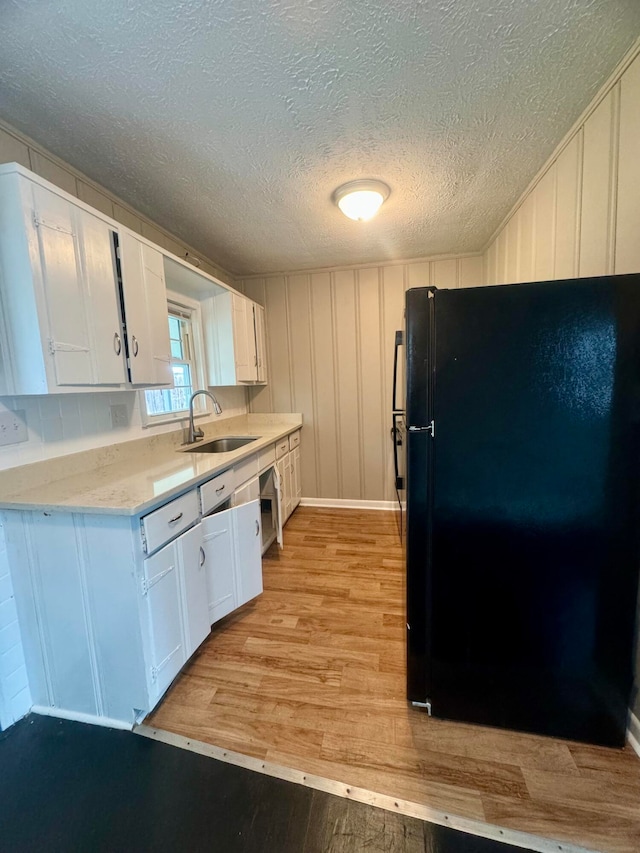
[287,485]
[157,314]
[163,605]
[248,551]
[193,582]
[79,286]
[146,314]
[296,483]
[277,486]
[243,342]
[217,544]
[102,294]
[280,464]
[261,342]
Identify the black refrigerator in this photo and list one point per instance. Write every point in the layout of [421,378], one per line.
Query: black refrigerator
[522,437]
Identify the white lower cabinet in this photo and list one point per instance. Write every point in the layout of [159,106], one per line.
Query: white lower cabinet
[248,551]
[193,588]
[106,629]
[233,558]
[289,470]
[111,606]
[217,543]
[161,597]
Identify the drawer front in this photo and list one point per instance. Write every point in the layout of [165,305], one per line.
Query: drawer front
[294,440]
[246,470]
[163,524]
[216,490]
[266,457]
[282,447]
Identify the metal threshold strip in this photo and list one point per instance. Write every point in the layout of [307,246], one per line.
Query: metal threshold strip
[361,795]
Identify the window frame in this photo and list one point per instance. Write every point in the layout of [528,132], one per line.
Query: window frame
[184,305]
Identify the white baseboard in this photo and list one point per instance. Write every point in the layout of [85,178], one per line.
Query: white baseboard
[633,733]
[79,717]
[347,503]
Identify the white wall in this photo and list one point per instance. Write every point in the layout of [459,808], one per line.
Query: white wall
[581,217]
[330,337]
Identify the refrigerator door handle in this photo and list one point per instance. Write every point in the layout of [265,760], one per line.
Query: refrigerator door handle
[430,429]
[399,342]
[396,436]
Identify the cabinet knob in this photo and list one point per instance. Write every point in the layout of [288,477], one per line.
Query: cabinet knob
[176,518]
[257,527]
[220,490]
[134,345]
[117,343]
[203,556]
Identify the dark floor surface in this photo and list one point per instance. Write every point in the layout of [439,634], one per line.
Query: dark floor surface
[67,786]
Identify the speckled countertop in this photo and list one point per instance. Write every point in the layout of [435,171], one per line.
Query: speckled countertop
[133,477]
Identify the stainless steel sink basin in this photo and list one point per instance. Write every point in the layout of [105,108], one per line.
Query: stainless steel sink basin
[222,445]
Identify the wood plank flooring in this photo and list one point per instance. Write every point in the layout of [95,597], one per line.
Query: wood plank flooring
[311,676]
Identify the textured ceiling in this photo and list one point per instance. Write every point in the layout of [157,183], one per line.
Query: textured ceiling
[231,122]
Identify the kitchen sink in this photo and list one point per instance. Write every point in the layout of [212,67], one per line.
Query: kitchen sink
[222,445]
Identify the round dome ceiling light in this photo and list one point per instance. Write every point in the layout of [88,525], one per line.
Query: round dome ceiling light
[361,200]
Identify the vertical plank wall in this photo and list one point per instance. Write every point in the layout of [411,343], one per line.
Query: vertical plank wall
[582,217]
[330,336]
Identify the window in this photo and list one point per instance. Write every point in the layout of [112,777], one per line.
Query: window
[167,404]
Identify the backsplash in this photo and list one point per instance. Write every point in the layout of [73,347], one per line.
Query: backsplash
[59,424]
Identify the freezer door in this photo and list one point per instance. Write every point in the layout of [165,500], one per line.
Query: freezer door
[535,519]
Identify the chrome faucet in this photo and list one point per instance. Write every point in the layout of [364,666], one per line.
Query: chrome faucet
[194,434]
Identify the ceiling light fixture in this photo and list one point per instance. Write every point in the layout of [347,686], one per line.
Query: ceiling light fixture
[361,200]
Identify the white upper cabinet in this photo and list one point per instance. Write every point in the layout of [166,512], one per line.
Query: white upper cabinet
[145,299]
[261,341]
[61,322]
[60,326]
[244,350]
[235,340]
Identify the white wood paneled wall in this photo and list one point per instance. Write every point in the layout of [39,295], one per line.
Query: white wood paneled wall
[582,217]
[330,337]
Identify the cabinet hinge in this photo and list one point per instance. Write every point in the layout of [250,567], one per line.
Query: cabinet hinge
[143,537]
[144,586]
[60,346]
[155,670]
[39,222]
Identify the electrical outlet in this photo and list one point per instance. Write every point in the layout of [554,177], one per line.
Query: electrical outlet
[119,416]
[13,427]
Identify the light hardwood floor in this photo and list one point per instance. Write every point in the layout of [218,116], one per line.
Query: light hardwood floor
[311,676]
